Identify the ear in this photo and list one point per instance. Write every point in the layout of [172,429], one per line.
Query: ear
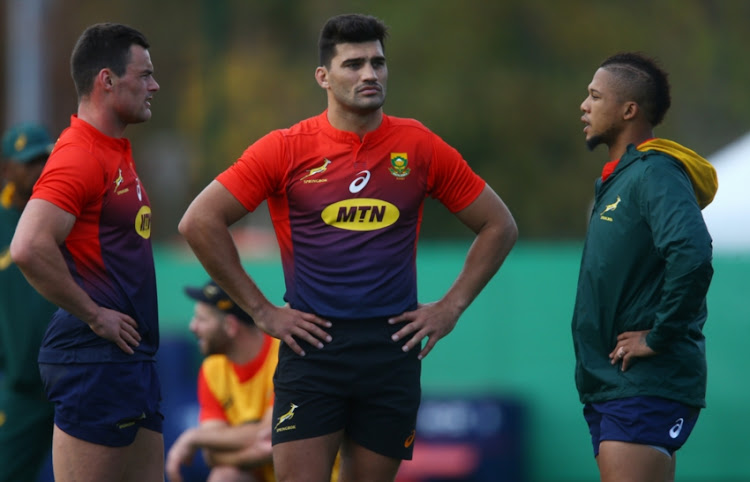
[630,110]
[106,79]
[321,76]
[231,324]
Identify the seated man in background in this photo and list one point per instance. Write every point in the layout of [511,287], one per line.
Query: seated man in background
[235,393]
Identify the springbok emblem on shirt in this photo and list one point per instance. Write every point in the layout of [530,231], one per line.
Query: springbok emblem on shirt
[611,207]
[317,170]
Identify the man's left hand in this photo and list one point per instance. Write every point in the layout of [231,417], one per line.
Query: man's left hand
[631,344]
[429,320]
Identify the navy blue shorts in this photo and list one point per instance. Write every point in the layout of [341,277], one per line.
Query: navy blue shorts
[104,403]
[659,422]
[361,382]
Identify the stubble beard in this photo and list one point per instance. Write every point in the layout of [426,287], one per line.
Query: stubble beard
[605,137]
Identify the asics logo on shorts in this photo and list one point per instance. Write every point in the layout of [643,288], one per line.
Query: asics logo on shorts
[410,439]
[674,432]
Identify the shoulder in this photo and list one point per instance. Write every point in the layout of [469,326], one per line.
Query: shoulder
[659,166]
[213,364]
[407,123]
[653,162]
[309,126]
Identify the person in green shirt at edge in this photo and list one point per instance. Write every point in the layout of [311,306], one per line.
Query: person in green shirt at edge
[26,416]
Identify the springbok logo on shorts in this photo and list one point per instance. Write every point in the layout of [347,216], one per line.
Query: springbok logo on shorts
[674,432]
[285,418]
[129,422]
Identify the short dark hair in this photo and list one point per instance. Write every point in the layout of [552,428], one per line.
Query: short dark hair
[641,79]
[349,28]
[101,46]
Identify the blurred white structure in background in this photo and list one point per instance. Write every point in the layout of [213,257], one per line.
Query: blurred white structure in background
[728,216]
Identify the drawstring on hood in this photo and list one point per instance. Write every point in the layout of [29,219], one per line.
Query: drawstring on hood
[701,173]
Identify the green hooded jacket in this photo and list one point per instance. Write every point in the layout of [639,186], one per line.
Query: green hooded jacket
[646,265]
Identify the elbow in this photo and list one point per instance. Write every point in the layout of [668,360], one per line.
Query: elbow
[187,225]
[509,231]
[21,252]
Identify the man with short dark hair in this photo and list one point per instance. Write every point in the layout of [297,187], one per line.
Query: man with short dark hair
[84,242]
[345,190]
[26,416]
[646,268]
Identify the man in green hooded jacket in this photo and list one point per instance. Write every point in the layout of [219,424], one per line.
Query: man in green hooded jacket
[645,271]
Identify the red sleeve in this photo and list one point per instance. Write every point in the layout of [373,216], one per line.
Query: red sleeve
[72,179]
[451,180]
[210,407]
[259,172]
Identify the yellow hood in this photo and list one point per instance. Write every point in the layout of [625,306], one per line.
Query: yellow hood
[701,173]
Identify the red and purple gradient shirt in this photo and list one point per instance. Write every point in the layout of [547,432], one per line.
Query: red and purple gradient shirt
[347,211]
[108,250]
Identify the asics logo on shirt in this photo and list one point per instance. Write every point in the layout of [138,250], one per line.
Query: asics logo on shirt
[363,177]
[360,214]
[674,432]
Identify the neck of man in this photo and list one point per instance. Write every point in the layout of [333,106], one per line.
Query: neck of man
[633,135]
[358,122]
[101,117]
[247,345]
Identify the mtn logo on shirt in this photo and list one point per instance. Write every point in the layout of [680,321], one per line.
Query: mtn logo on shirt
[360,214]
[143,222]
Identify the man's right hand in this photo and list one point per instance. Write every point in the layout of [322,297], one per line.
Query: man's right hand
[116,327]
[286,324]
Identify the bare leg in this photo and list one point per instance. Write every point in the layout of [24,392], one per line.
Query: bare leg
[359,464]
[628,462]
[307,460]
[225,473]
[75,460]
[672,470]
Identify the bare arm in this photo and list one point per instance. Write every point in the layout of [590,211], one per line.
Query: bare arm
[205,226]
[35,248]
[496,233]
[254,445]
[241,446]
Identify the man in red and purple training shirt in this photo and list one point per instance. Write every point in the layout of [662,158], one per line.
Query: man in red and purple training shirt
[84,242]
[345,190]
